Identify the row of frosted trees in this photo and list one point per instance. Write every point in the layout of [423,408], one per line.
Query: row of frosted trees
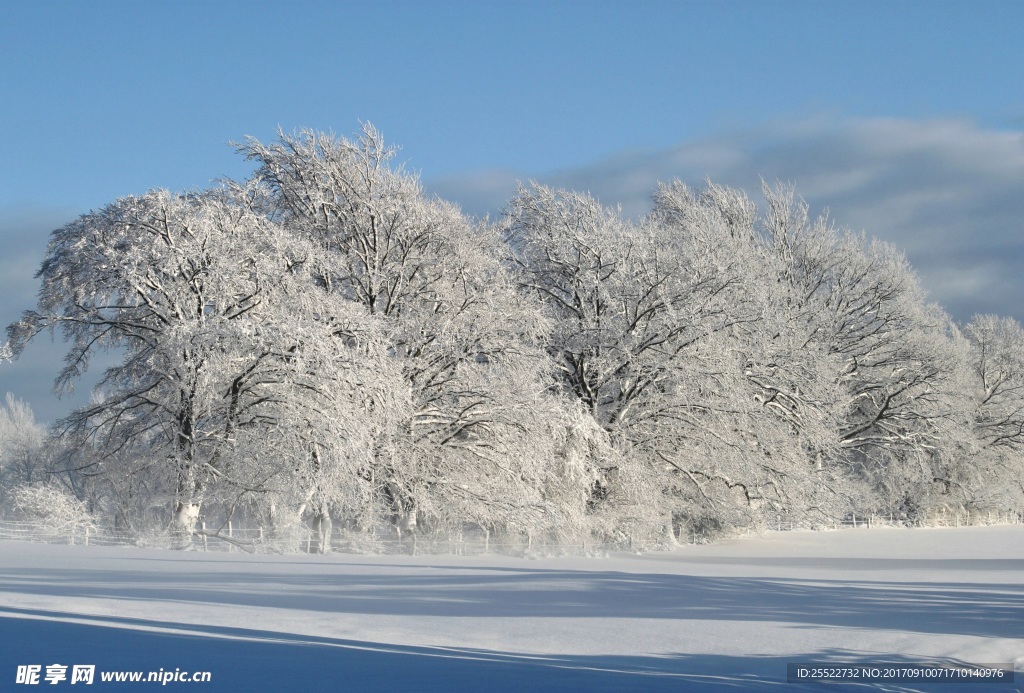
[325,344]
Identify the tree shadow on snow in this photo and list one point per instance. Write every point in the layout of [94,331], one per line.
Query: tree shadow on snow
[973,609]
[254,661]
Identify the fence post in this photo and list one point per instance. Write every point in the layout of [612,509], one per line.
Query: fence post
[231,547]
[203,525]
[87,535]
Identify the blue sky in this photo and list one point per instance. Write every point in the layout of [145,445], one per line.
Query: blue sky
[906,119]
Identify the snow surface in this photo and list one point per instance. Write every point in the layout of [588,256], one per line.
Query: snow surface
[727,616]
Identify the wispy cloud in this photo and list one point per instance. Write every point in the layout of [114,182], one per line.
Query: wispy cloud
[948,193]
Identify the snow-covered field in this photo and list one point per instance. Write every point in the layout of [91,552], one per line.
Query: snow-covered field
[728,616]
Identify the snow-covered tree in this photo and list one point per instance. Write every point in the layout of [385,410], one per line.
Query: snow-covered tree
[205,300]
[53,510]
[898,358]
[997,361]
[782,393]
[23,454]
[655,322]
[460,336]
[994,475]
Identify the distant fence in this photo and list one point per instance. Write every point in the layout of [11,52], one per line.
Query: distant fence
[300,539]
[31,531]
[384,541]
[83,534]
[937,518]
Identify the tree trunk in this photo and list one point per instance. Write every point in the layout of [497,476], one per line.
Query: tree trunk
[322,527]
[406,522]
[183,524]
[187,504]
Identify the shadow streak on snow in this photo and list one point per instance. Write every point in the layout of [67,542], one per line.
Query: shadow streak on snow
[251,660]
[973,609]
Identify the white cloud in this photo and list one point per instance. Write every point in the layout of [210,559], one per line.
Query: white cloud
[948,193]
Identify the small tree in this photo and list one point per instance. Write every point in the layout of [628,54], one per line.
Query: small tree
[53,510]
[23,453]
